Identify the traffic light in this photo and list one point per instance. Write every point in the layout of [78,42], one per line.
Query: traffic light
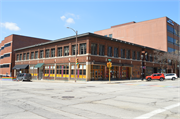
[110,64]
[78,66]
[77,62]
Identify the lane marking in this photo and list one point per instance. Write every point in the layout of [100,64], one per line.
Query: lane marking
[150,114]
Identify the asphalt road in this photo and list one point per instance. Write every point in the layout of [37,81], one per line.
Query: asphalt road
[52,100]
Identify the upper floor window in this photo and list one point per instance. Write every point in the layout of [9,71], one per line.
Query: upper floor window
[109,51]
[170,29]
[150,58]
[138,55]
[128,54]
[66,50]
[24,56]
[7,45]
[83,48]
[36,54]
[47,53]
[59,53]
[41,53]
[146,57]
[115,52]
[122,53]
[32,55]
[171,49]
[101,50]
[105,35]
[73,49]
[27,56]
[110,35]
[17,56]
[53,52]
[94,49]
[20,57]
[134,55]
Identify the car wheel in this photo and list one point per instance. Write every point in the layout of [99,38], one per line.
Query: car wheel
[148,79]
[161,79]
[173,79]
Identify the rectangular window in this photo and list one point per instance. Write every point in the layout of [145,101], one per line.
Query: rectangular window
[170,49]
[110,35]
[20,57]
[17,57]
[59,53]
[94,49]
[66,50]
[24,56]
[109,51]
[134,55]
[83,48]
[128,54]
[42,54]
[27,56]
[36,54]
[138,55]
[7,45]
[47,53]
[101,50]
[151,58]
[53,52]
[170,29]
[122,53]
[73,49]
[32,55]
[115,52]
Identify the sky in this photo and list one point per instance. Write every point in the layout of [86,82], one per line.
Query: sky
[49,19]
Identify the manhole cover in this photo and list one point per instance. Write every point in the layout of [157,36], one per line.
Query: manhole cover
[49,89]
[90,86]
[68,91]
[67,96]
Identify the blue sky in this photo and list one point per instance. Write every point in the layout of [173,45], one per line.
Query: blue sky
[48,19]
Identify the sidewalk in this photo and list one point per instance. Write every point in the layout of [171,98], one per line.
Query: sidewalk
[91,82]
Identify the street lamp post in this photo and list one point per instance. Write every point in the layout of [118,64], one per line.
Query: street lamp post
[142,56]
[75,50]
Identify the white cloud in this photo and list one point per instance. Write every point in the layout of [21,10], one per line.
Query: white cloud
[70,21]
[69,18]
[63,17]
[10,26]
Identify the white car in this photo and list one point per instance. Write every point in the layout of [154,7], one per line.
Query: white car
[171,76]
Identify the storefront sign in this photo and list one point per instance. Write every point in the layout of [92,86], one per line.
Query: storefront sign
[171,22]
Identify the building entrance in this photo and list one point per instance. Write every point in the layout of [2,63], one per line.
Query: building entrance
[97,72]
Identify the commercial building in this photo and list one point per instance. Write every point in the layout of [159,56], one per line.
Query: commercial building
[55,60]
[7,54]
[161,34]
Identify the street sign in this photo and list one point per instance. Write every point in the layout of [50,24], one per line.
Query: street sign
[109,60]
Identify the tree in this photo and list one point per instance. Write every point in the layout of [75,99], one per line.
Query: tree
[160,57]
[174,59]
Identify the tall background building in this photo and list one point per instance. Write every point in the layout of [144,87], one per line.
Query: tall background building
[161,34]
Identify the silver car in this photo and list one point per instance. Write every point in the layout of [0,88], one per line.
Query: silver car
[171,76]
[24,76]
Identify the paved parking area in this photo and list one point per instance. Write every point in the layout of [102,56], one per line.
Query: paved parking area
[120,100]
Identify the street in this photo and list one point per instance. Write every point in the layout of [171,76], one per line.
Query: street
[88,100]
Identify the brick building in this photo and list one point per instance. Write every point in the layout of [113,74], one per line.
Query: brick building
[55,60]
[7,54]
[161,34]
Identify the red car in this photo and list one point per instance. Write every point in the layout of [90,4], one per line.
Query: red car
[159,76]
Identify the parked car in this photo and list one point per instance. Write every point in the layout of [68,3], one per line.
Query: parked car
[24,76]
[171,76]
[157,76]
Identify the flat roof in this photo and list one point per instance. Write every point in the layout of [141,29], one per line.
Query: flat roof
[83,35]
